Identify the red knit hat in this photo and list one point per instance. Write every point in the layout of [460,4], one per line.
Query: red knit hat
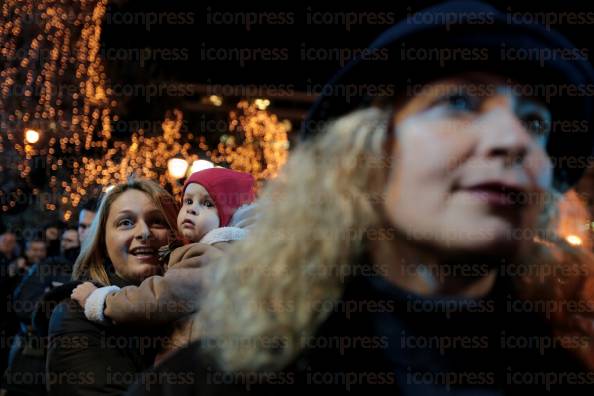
[229,189]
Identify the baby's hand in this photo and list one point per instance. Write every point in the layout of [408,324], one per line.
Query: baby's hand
[82,292]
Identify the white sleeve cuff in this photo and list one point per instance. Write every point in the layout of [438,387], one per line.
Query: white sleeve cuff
[224,234]
[96,303]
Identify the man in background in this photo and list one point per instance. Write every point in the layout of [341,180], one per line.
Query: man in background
[8,247]
[69,241]
[85,218]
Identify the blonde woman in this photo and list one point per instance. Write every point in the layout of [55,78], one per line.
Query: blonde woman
[406,245]
[133,221]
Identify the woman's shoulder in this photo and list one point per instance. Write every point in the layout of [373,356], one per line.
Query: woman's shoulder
[48,304]
[69,317]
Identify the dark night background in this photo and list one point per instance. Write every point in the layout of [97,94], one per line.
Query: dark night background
[176,40]
[292,37]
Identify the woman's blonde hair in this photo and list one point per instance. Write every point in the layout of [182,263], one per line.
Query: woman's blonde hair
[90,264]
[273,289]
[279,283]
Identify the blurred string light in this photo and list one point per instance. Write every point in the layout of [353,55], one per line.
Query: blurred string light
[262,104]
[257,142]
[572,211]
[52,79]
[31,136]
[144,156]
[177,167]
[215,100]
[574,240]
[261,148]
[201,165]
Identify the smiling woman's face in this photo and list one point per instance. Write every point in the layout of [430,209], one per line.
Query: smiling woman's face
[134,231]
[470,167]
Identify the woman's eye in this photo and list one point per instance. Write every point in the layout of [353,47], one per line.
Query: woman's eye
[536,119]
[536,124]
[460,102]
[125,223]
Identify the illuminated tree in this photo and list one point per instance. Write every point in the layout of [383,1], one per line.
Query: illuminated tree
[257,141]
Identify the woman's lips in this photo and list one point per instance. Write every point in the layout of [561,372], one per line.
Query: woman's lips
[144,254]
[491,197]
[496,194]
[146,258]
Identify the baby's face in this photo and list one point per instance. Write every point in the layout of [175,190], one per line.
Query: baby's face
[198,214]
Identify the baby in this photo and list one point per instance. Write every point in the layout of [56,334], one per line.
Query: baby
[216,209]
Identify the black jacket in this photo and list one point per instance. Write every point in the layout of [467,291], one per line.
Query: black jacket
[382,340]
[35,296]
[26,374]
[41,278]
[86,358]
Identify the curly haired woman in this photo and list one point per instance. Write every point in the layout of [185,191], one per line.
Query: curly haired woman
[404,237]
